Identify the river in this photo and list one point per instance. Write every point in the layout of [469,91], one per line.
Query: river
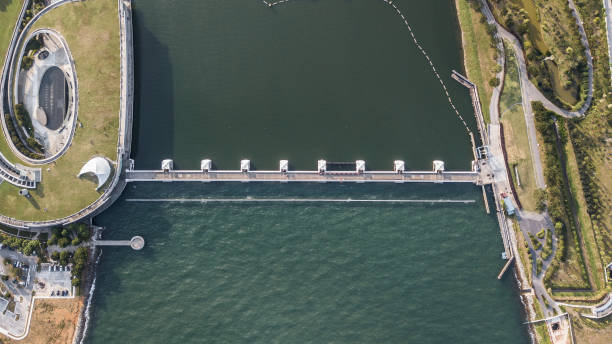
[334,79]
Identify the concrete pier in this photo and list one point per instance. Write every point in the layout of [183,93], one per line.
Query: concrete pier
[136,243]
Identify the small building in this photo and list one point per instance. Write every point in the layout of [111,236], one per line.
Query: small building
[284,166]
[98,167]
[399,166]
[245,165]
[360,166]
[167,165]
[438,166]
[510,210]
[206,165]
[322,166]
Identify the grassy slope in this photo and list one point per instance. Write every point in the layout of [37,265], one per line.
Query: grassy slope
[9,10]
[91,30]
[515,131]
[478,55]
[588,238]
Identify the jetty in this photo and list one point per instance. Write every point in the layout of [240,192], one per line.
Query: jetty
[136,243]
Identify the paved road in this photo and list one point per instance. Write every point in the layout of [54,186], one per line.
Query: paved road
[525,98]
[608,8]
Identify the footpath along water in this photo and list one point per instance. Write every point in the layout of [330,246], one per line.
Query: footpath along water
[339,80]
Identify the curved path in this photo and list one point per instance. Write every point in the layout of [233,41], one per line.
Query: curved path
[20,41]
[117,185]
[530,89]
[73,104]
[529,93]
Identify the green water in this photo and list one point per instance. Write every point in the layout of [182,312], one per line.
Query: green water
[304,273]
[333,79]
[330,79]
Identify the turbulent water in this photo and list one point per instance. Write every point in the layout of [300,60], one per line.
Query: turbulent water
[331,79]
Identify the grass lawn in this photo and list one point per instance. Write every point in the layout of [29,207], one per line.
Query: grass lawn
[588,237]
[9,10]
[478,55]
[91,30]
[522,249]
[515,132]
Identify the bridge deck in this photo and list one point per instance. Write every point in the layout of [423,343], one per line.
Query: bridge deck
[111,242]
[305,176]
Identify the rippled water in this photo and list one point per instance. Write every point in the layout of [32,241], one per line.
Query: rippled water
[304,273]
[335,79]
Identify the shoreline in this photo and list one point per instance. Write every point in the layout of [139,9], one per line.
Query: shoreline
[518,269]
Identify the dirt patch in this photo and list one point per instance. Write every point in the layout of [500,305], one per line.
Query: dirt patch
[53,322]
[591,331]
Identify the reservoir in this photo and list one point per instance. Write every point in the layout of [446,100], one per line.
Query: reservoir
[334,79]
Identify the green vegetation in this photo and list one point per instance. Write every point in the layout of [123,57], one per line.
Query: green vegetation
[548,245]
[515,135]
[479,51]
[541,233]
[8,19]
[556,61]
[78,258]
[535,242]
[25,246]
[92,33]
[35,7]
[31,49]
[17,141]
[573,272]
[74,234]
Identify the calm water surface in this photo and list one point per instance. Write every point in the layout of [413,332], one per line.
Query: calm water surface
[330,79]
[334,79]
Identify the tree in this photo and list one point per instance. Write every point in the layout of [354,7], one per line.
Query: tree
[30,247]
[80,255]
[75,241]
[494,82]
[76,281]
[64,256]
[52,240]
[63,242]
[55,255]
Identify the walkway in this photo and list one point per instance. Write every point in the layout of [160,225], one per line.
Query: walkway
[608,8]
[306,176]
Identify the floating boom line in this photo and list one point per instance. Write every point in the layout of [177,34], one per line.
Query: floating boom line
[296,200]
[418,45]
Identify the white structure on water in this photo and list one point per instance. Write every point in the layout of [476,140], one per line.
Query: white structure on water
[245,165]
[206,165]
[399,166]
[99,167]
[360,166]
[438,166]
[322,166]
[167,165]
[284,165]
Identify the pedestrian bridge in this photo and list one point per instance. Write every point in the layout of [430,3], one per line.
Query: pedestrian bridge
[478,175]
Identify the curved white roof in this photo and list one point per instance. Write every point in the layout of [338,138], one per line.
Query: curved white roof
[100,167]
